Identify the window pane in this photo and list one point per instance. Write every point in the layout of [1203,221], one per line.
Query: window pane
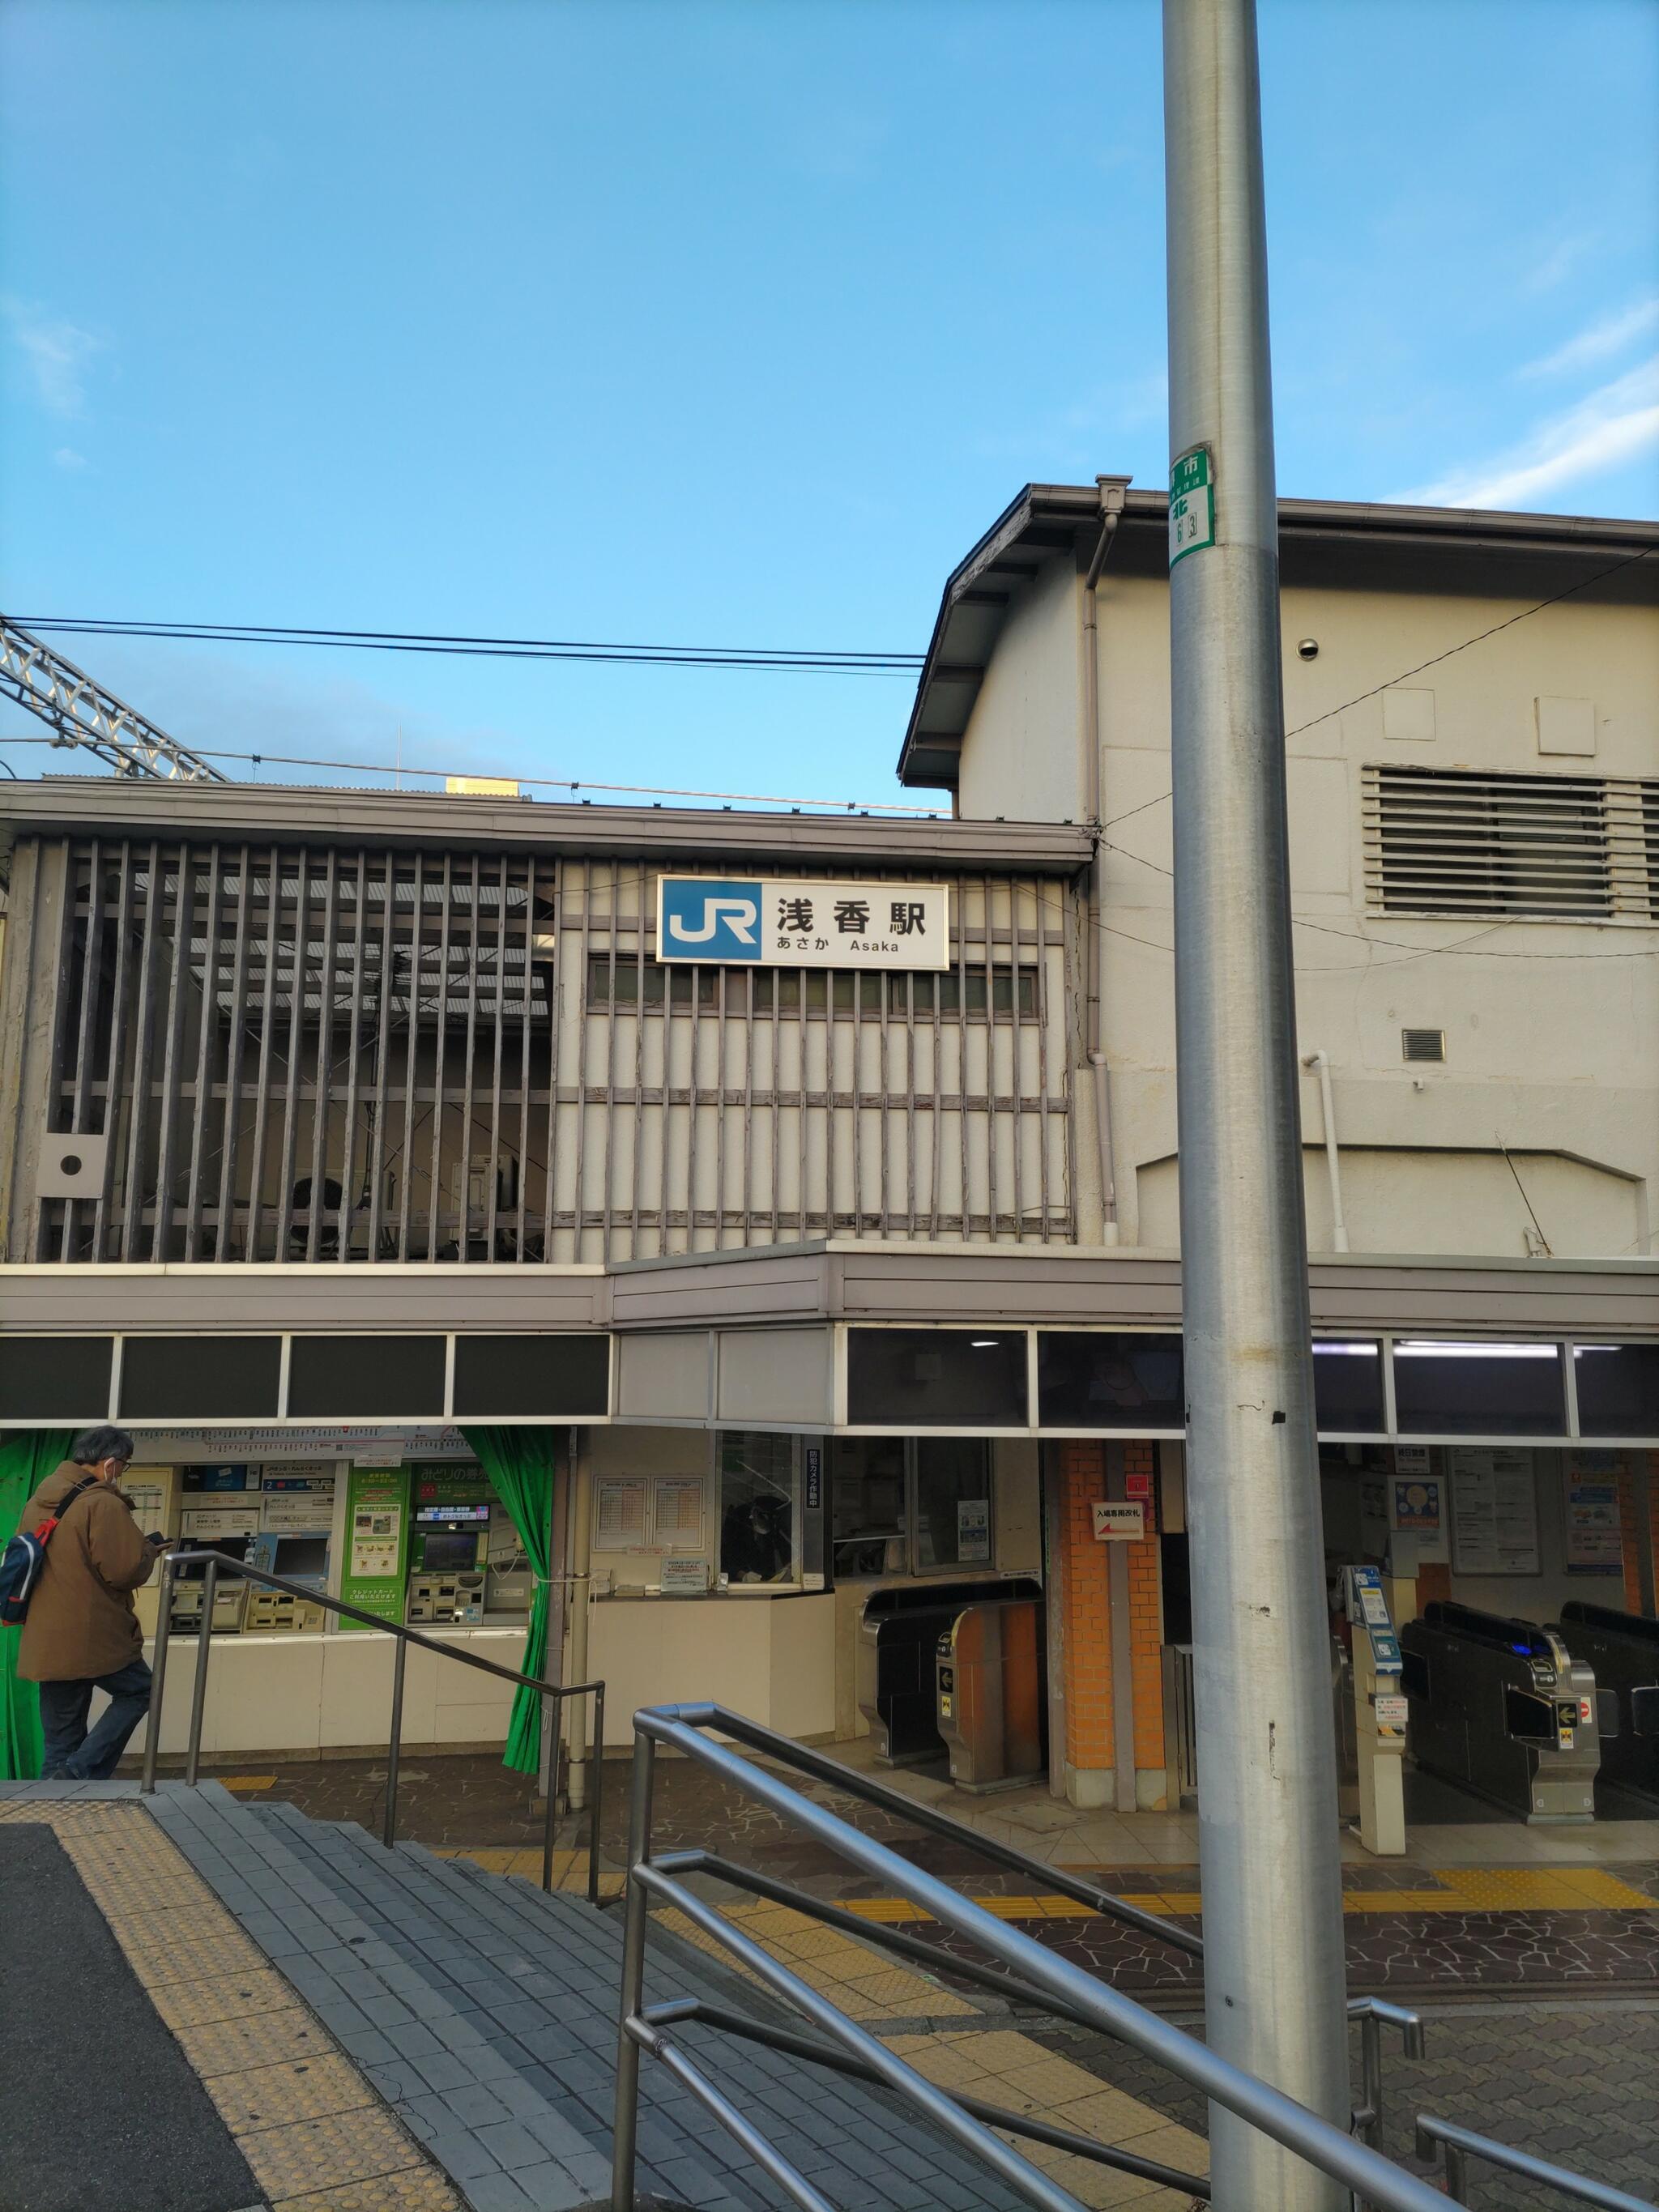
[1117,1381]
[55,1378]
[211,1378]
[559,1377]
[758,1518]
[953,1502]
[868,1504]
[343,1378]
[936,1378]
[1348,1388]
[1617,1388]
[1478,1389]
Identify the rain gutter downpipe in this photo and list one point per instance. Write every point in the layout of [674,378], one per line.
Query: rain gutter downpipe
[1112,491]
[1320,1064]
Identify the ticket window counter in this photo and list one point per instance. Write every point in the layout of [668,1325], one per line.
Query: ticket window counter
[909,1506]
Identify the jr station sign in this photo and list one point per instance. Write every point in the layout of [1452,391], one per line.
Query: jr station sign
[784,922]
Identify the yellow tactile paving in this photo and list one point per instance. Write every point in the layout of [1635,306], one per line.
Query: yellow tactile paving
[1007,2068]
[234,1997]
[569,1868]
[314,2133]
[864,1984]
[1461,1889]
[232,2046]
[416,2189]
[294,2089]
[308,2155]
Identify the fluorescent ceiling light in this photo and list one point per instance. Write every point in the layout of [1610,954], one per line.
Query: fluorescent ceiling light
[1477,1351]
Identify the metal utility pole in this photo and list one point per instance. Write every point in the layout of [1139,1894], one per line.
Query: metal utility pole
[1266,1762]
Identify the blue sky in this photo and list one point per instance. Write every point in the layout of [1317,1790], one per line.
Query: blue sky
[736,322]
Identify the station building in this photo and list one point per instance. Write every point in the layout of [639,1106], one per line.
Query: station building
[720,1231]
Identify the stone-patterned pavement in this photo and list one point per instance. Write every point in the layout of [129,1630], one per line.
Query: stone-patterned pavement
[1531,1928]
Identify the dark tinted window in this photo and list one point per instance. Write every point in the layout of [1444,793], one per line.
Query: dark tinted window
[1478,1389]
[919,1378]
[55,1378]
[1348,1388]
[208,1378]
[557,1376]
[1127,1380]
[1617,1388]
[365,1377]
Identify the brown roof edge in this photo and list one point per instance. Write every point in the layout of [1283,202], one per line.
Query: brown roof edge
[1044,508]
[91,806]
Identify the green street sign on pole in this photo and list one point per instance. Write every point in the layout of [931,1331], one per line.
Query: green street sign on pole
[1191,504]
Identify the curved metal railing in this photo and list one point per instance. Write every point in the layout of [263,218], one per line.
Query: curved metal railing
[1025,1971]
[215,1563]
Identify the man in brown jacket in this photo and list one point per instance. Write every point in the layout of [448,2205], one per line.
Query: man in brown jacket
[81,1633]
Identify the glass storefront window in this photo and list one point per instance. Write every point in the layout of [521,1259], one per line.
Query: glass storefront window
[1617,1389]
[759,1508]
[909,1504]
[1348,1388]
[936,1378]
[1128,1380]
[1478,1389]
[953,1503]
[869,1522]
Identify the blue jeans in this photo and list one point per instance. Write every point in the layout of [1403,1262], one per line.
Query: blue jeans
[70,1754]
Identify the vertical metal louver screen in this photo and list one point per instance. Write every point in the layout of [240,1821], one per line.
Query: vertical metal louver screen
[302,1056]
[347,1055]
[1568,847]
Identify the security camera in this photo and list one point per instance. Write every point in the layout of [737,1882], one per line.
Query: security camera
[1307,648]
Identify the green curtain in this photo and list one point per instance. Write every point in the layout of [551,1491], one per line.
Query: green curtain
[521,1463]
[27,1457]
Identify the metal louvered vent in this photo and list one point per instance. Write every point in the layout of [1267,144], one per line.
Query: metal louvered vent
[1423,1044]
[1548,847]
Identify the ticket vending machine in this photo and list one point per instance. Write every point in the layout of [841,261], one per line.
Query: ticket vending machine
[1380,1711]
[447,1560]
[297,1509]
[229,1530]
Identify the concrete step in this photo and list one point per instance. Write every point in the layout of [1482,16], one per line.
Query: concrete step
[485,2012]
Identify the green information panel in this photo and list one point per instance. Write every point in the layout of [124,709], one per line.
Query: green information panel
[377,1541]
[1191,504]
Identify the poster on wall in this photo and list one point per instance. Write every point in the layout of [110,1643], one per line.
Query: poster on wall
[676,1512]
[1594,1535]
[620,1521]
[1494,1502]
[973,1531]
[1417,1511]
[377,1541]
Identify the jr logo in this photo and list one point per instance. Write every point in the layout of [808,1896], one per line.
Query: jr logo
[708,921]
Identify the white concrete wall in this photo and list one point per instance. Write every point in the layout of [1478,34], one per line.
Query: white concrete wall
[1552,1029]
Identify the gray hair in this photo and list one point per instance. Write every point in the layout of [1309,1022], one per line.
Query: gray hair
[94,1446]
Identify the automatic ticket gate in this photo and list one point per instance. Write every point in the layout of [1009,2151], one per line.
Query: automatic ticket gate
[988,1673]
[901,1626]
[1623,1648]
[1502,1708]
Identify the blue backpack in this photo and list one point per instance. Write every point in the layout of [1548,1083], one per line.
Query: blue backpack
[24,1556]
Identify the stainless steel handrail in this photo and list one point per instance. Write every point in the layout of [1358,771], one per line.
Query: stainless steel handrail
[1065,1988]
[1461,2145]
[216,1564]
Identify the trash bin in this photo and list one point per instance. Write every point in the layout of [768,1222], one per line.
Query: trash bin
[989,1681]
[900,1628]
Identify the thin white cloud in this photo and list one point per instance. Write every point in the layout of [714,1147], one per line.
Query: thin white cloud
[1600,341]
[1617,423]
[1556,262]
[57,353]
[67,457]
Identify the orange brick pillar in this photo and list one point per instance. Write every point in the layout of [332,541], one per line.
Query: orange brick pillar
[1085,1632]
[1638,1530]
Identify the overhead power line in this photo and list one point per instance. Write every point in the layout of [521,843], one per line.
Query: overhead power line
[824,660]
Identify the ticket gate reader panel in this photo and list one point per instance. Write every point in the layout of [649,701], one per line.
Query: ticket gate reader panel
[1380,1713]
[1623,1648]
[989,1687]
[1502,1708]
